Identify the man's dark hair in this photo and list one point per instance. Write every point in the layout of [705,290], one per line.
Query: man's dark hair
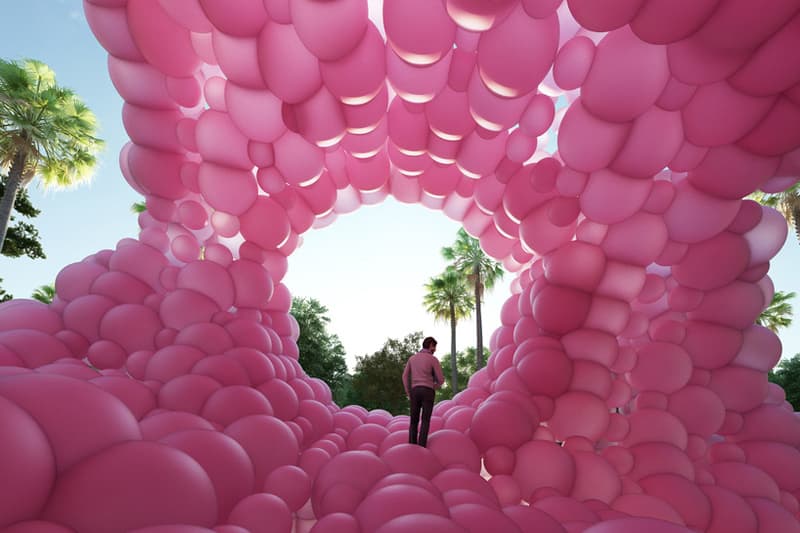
[428,341]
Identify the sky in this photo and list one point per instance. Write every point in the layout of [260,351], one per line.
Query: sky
[368,268]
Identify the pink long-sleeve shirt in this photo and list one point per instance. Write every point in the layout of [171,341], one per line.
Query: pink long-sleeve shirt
[423,370]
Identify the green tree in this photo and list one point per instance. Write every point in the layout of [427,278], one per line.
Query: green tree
[786,202]
[448,297]
[787,376]
[4,296]
[779,313]
[45,131]
[45,293]
[138,207]
[465,367]
[482,272]
[345,394]
[321,353]
[22,238]
[378,378]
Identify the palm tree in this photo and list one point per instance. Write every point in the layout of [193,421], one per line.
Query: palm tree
[448,298]
[138,207]
[45,293]
[786,202]
[778,313]
[481,272]
[45,131]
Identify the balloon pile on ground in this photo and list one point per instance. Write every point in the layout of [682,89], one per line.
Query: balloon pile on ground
[600,150]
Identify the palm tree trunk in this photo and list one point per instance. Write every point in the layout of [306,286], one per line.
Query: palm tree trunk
[479,362]
[13,185]
[453,367]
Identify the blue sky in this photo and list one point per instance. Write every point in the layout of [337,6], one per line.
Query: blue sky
[368,268]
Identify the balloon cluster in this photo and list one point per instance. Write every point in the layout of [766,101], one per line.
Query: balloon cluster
[600,149]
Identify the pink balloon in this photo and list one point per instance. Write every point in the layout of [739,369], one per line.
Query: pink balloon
[538,116]
[280,48]
[250,511]
[477,16]
[418,40]
[560,309]
[499,422]
[710,103]
[573,62]
[137,397]
[579,413]
[166,488]
[491,111]
[257,113]
[449,114]
[474,515]
[297,160]
[542,464]
[416,83]
[661,367]
[631,195]
[246,19]
[658,130]
[291,484]
[329,31]
[596,17]
[268,442]
[28,461]
[235,402]
[111,27]
[357,77]
[586,142]
[237,58]
[165,44]
[104,419]
[535,38]
[384,504]
[740,389]
[337,523]
[282,398]
[425,521]
[595,478]
[617,90]
[320,119]
[226,463]
[632,525]
[695,216]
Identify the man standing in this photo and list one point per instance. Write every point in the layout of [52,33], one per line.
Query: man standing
[421,377]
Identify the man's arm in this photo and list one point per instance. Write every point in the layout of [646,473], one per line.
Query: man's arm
[406,376]
[437,372]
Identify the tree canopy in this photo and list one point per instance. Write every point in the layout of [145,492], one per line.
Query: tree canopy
[787,375]
[786,202]
[321,353]
[465,367]
[22,238]
[482,272]
[779,313]
[45,131]
[4,296]
[447,298]
[45,293]
[378,378]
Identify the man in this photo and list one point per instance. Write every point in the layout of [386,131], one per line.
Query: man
[421,377]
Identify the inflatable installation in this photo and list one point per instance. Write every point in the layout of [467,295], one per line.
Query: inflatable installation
[601,150]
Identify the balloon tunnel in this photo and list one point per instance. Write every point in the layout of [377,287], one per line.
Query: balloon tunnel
[603,151]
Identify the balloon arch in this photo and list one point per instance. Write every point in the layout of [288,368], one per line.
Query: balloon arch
[627,389]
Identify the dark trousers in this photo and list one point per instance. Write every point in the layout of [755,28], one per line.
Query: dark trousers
[421,400]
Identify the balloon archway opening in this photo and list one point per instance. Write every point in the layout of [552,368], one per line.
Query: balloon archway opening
[627,389]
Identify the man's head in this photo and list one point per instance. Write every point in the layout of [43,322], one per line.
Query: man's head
[429,343]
